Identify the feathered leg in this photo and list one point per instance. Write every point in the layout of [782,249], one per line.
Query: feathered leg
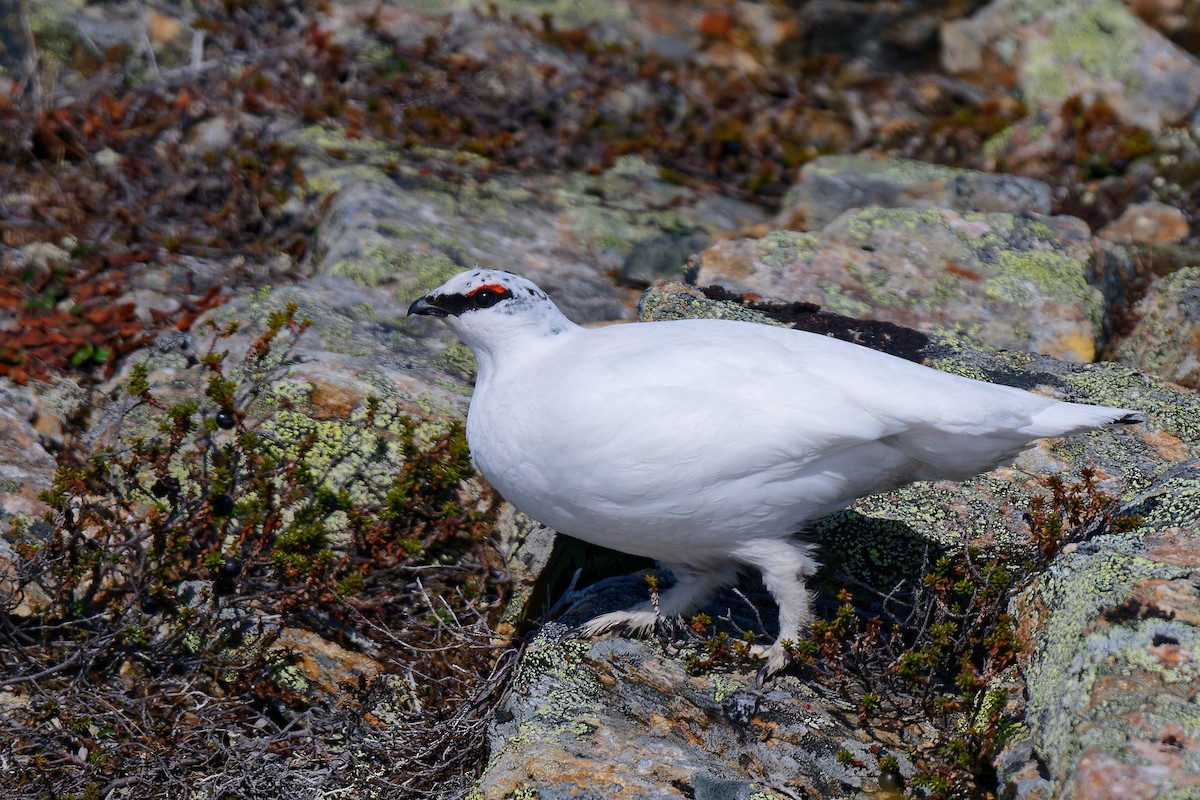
[784,564]
[692,590]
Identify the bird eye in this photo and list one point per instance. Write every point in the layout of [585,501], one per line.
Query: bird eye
[488,296]
[485,298]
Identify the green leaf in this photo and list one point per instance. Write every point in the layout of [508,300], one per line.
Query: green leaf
[82,355]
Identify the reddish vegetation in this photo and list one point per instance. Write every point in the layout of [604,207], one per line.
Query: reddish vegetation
[73,317]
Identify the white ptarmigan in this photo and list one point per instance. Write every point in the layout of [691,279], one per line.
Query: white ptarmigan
[705,444]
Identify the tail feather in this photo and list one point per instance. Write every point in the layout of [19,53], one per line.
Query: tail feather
[1062,419]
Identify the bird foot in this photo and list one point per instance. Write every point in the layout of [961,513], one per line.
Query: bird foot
[776,656]
[636,623]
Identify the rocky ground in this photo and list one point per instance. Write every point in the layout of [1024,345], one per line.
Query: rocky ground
[244,554]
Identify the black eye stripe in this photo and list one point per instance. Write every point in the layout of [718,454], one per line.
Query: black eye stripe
[483,297]
[453,304]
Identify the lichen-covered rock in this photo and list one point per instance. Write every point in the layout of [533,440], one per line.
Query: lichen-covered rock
[1166,337]
[831,185]
[1007,281]
[406,233]
[1096,49]
[356,347]
[623,718]
[1113,676]
[26,469]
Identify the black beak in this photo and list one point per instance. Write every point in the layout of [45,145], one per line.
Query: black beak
[424,307]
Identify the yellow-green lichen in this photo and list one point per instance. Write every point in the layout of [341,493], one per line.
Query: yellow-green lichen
[1173,411]
[658,306]
[1068,660]
[290,677]
[1099,37]
[325,180]
[834,299]
[875,283]
[724,687]
[898,171]
[573,12]
[385,262]
[864,224]
[780,249]
[52,27]
[995,146]
[763,794]
[458,358]
[1049,273]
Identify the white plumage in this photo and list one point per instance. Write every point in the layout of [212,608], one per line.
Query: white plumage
[705,444]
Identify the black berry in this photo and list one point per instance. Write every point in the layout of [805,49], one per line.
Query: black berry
[222,505]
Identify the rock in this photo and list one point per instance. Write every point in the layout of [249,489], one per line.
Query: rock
[58,405]
[565,232]
[1096,49]
[831,185]
[624,717]
[1008,281]
[1166,338]
[209,137]
[871,38]
[322,667]
[1168,17]
[1152,223]
[661,257]
[65,31]
[407,233]
[26,469]
[1113,675]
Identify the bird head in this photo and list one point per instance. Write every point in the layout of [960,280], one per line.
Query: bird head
[489,307]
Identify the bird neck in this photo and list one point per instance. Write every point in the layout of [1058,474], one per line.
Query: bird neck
[523,336]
